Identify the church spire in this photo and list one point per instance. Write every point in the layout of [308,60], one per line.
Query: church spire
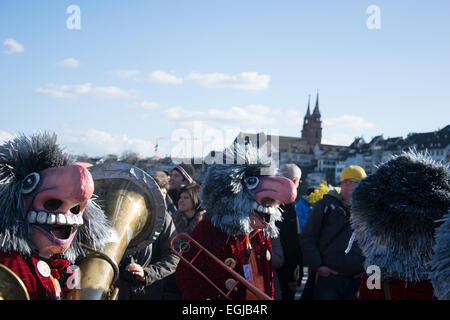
[316,108]
[312,129]
[308,112]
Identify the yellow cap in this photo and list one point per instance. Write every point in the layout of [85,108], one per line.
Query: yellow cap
[353,173]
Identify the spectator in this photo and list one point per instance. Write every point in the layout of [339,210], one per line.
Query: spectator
[180,176]
[304,207]
[185,219]
[291,273]
[162,176]
[141,273]
[189,210]
[325,238]
[162,180]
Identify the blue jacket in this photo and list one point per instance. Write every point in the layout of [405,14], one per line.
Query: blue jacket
[303,210]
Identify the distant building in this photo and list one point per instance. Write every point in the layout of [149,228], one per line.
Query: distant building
[325,162]
[436,143]
[379,150]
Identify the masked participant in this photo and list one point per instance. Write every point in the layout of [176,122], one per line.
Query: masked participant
[241,202]
[46,210]
[395,212]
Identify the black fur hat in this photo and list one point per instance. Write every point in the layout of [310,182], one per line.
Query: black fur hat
[394,213]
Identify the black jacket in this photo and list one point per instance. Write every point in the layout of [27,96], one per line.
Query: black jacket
[158,262]
[171,208]
[326,235]
[173,194]
[289,230]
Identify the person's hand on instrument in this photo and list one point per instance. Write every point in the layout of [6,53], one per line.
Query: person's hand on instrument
[136,270]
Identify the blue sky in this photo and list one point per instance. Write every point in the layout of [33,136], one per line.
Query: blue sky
[138,72]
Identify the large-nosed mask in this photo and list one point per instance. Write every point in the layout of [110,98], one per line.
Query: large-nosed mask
[268,193]
[239,199]
[55,200]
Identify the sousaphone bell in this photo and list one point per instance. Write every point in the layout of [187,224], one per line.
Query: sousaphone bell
[135,207]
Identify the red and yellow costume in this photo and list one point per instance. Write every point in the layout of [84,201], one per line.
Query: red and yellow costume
[44,279]
[224,246]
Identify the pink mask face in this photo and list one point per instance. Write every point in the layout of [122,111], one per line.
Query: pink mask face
[55,206]
[269,192]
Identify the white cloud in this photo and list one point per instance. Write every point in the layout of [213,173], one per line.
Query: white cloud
[244,80]
[98,143]
[249,115]
[147,105]
[198,138]
[343,130]
[337,138]
[292,118]
[125,73]
[5,136]
[70,63]
[164,77]
[199,131]
[252,114]
[261,109]
[13,46]
[66,91]
[179,114]
[348,122]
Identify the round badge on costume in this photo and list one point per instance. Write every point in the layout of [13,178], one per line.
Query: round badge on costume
[185,247]
[230,262]
[268,256]
[230,283]
[43,269]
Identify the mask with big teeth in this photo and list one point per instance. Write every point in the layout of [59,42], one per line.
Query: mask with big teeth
[245,195]
[55,200]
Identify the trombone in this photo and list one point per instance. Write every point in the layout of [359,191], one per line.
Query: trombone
[188,242]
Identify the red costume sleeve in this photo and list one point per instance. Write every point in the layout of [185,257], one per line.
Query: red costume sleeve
[17,264]
[39,287]
[190,283]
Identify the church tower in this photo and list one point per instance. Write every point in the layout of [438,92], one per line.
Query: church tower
[312,125]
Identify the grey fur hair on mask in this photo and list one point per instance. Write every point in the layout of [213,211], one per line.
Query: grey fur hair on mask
[440,262]
[225,196]
[95,232]
[394,213]
[19,157]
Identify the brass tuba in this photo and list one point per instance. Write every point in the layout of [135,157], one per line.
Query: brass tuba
[11,286]
[134,204]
